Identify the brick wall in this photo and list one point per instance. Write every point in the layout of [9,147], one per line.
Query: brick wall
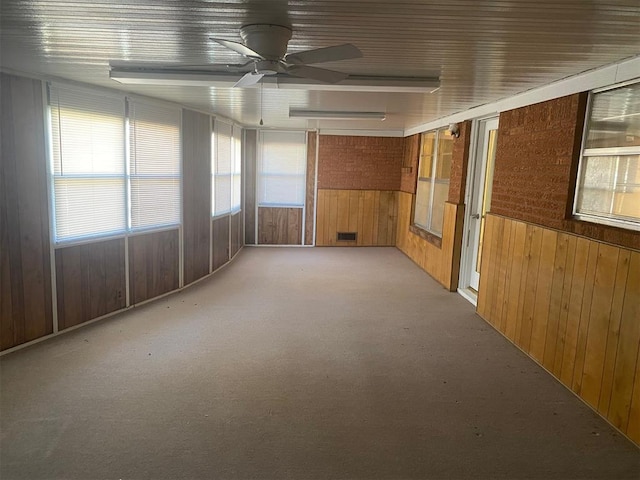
[535,158]
[459,164]
[536,164]
[409,169]
[359,163]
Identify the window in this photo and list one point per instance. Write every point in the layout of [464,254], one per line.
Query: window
[112,172]
[88,163]
[221,164]
[432,191]
[608,189]
[281,168]
[236,170]
[154,138]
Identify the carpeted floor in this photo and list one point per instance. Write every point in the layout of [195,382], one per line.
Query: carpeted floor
[304,364]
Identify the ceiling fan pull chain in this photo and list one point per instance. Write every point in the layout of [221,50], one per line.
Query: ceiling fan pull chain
[261,88]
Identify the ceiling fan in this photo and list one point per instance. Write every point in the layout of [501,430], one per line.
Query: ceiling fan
[265,47]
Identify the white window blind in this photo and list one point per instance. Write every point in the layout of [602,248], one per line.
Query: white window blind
[155,165]
[88,156]
[221,158]
[281,168]
[236,182]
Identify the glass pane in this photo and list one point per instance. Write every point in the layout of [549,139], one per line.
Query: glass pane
[610,187]
[440,195]
[427,149]
[421,210]
[615,118]
[445,151]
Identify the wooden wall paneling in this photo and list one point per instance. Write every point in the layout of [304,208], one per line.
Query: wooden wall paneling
[236,233]
[372,215]
[293,227]
[543,294]
[581,258]
[279,226]
[633,425]
[564,309]
[342,213]
[585,298]
[25,291]
[625,372]
[530,284]
[501,272]
[613,335]
[153,264]
[510,233]
[196,174]
[354,212]
[90,280]
[368,218]
[330,232]
[599,320]
[515,280]
[220,238]
[585,316]
[322,219]
[310,214]
[555,301]
[249,206]
[483,303]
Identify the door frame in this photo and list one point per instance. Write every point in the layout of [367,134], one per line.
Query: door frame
[464,288]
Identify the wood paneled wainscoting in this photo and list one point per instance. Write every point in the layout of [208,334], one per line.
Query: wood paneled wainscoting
[370,214]
[154,264]
[91,281]
[442,261]
[573,305]
[279,226]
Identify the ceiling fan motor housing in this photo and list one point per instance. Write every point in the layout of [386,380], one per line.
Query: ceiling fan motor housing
[270,41]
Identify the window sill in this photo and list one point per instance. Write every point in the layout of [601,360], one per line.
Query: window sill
[429,237]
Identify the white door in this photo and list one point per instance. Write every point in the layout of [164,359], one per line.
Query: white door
[479,201]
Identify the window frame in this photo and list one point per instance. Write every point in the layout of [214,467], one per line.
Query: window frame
[128,230]
[598,152]
[300,177]
[432,180]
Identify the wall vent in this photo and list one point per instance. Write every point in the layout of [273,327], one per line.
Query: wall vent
[347,236]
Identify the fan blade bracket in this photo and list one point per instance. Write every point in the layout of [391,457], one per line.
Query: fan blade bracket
[249,79]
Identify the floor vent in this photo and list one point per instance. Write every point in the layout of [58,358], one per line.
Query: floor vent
[347,236]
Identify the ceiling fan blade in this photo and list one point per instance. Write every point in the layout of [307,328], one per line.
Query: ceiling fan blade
[327,54]
[249,79]
[321,74]
[238,47]
[201,67]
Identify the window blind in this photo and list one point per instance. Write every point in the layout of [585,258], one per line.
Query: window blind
[88,163]
[236,182]
[155,164]
[281,169]
[222,145]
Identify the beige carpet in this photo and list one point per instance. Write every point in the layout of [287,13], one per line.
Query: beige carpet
[303,364]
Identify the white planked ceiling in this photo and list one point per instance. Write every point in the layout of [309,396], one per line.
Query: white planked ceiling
[481,50]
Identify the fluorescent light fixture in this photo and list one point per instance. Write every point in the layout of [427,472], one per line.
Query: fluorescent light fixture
[195,78]
[336,115]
